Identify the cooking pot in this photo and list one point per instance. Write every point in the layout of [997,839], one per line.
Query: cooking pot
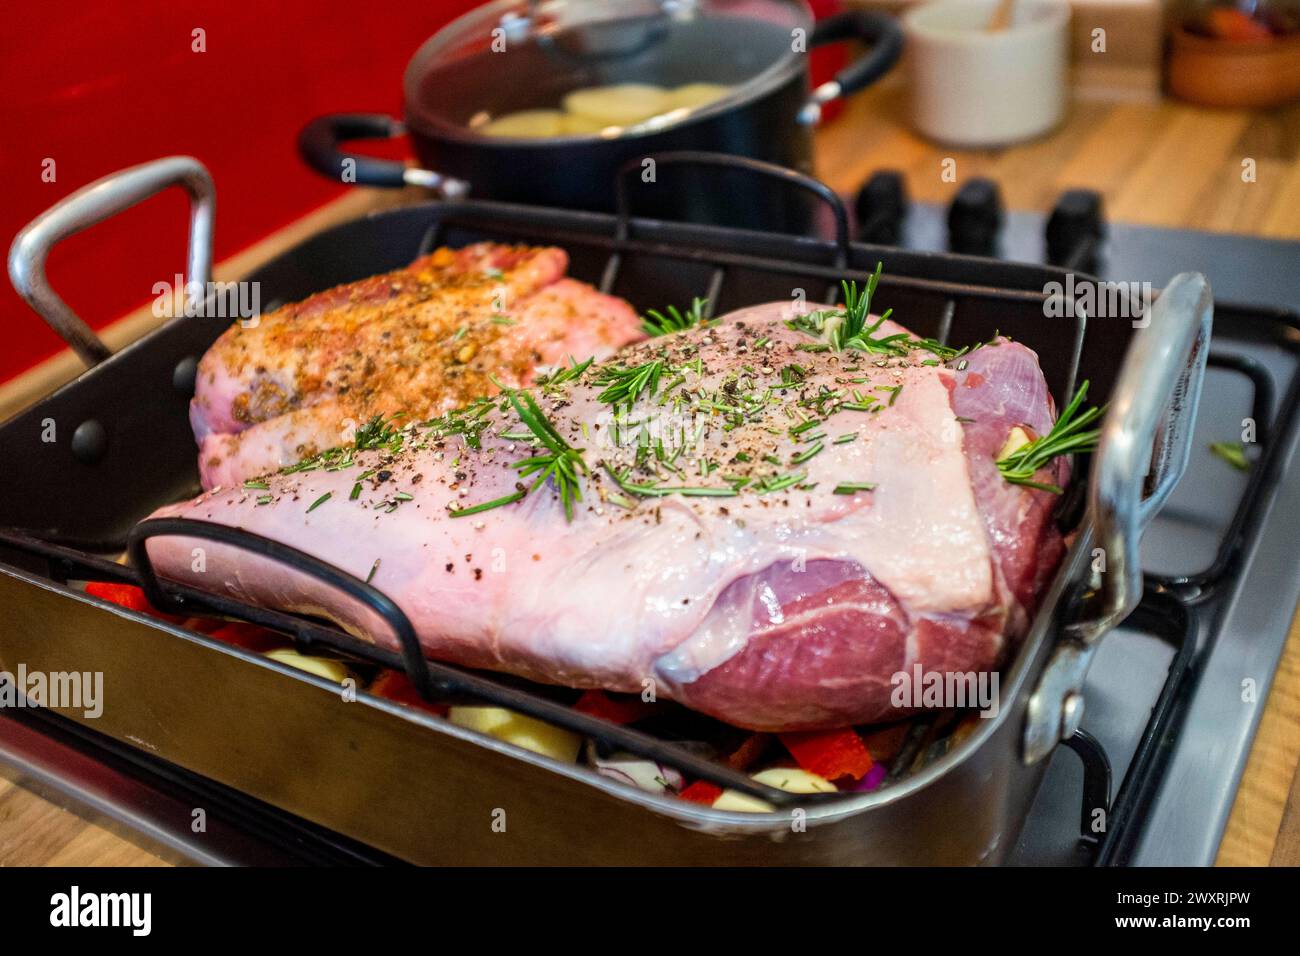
[514,55]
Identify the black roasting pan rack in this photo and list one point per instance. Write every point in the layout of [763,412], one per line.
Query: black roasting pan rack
[68,507]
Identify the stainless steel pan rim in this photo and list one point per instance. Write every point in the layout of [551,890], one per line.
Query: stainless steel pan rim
[1153,409]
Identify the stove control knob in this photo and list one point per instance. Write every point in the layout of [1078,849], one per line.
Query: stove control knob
[975,218]
[881,207]
[1075,230]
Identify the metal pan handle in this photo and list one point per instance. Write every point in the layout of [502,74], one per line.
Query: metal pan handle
[1147,431]
[758,167]
[93,204]
[1153,407]
[881,33]
[318,145]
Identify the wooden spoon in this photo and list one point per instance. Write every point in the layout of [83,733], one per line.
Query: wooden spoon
[1001,16]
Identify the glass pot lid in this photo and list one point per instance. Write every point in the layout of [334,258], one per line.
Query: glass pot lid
[564,69]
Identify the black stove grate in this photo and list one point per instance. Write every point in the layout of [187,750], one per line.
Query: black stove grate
[1182,609]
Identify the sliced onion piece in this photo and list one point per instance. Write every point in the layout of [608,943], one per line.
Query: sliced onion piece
[636,771]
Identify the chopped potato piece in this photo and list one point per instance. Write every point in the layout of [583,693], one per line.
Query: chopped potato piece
[794,780]
[574,125]
[738,802]
[320,666]
[526,732]
[623,104]
[696,94]
[1017,439]
[589,111]
[526,124]
[789,779]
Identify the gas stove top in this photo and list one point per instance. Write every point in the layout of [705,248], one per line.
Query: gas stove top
[1174,696]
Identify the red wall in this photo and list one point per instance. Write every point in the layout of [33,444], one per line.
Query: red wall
[100,86]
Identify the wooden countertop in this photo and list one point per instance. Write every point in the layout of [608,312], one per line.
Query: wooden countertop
[1162,164]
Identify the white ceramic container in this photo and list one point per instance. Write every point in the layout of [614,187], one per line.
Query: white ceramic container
[973,87]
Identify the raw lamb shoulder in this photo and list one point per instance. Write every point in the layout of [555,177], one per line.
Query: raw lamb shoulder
[767,533]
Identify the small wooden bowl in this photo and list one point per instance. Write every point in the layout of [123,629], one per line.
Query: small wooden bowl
[1234,72]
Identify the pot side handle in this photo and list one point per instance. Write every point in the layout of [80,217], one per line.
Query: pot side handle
[881,33]
[1142,452]
[318,145]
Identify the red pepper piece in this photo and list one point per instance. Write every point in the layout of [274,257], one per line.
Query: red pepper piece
[397,687]
[619,711]
[701,791]
[128,596]
[830,753]
[248,636]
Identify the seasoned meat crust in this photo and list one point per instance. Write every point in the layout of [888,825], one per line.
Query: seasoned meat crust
[444,330]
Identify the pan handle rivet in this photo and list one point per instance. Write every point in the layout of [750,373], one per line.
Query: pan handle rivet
[89,442]
[1071,714]
[184,374]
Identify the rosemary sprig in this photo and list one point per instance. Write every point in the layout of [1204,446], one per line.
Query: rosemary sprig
[563,375]
[897,344]
[857,305]
[373,434]
[468,422]
[1067,437]
[846,327]
[807,454]
[376,433]
[1231,452]
[945,353]
[672,320]
[623,386]
[779,482]
[563,464]
[853,487]
[793,374]
[487,505]
[893,391]
[653,490]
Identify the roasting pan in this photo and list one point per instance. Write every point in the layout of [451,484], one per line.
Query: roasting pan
[82,467]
